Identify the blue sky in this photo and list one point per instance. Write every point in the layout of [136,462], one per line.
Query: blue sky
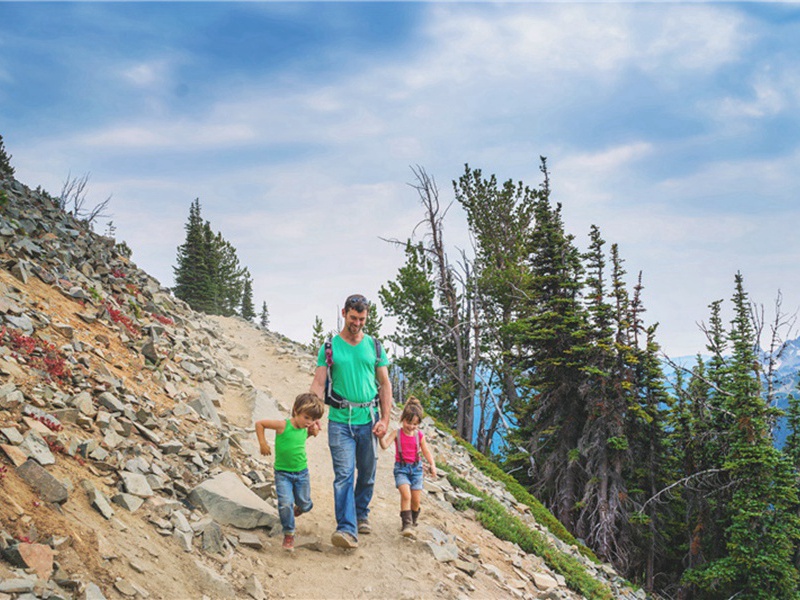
[673,127]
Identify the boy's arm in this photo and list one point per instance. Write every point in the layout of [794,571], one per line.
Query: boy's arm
[277,426]
[387,439]
[426,452]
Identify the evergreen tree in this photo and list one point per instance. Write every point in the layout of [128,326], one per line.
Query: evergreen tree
[317,334]
[248,310]
[553,330]
[6,170]
[602,516]
[264,317]
[500,220]
[208,275]
[374,322]
[762,521]
[193,280]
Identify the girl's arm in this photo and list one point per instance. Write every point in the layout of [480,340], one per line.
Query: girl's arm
[388,439]
[426,452]
[277,426]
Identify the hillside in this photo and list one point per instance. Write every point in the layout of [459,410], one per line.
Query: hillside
[128,464]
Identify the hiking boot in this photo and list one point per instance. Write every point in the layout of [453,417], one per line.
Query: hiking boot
[297,511]
[342,539]
[364,526]
[408,528]
[414,517]
[288,542]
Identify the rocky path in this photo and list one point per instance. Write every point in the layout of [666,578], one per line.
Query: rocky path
[385,565]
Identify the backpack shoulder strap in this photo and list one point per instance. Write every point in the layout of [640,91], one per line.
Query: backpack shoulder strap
[377,351]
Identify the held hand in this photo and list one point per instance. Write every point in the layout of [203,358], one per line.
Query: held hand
[380,429]
[314,428]
[265,449]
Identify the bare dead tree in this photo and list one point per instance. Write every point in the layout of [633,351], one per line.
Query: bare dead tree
[73,200]
[455,297]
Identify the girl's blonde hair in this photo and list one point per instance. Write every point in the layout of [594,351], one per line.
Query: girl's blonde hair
[309,404]
[412,408]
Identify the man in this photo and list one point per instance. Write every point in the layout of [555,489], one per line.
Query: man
[360,399]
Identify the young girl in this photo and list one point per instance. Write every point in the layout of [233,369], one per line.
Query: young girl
[410,445]
[292,484]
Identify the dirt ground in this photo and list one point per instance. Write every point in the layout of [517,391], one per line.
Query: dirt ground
[130,551]
[385,565]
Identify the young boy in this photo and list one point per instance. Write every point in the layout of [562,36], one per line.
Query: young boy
[292,483]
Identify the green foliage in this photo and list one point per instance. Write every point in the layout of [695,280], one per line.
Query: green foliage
[317,334]
[208,275]
[124,249]
[248,311]
[492,515]
[753,557]
[6,170]
[374,322]
[264,316]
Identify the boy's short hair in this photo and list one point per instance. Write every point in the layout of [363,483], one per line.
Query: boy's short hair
[309,404]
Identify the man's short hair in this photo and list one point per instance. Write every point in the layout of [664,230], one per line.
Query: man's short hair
[356,302]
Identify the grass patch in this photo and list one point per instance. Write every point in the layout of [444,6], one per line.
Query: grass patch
[494,517]
[538,510]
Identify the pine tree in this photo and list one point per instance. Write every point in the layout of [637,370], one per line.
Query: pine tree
[193,279]
[602,516]
[208,275]
[762,523]
[248,310]
[500,220]
[553,332]
[264,317]
[374,322]
[6,170]
[317,334]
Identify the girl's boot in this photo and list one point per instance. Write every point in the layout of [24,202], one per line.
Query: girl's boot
[414,517]
[408,529]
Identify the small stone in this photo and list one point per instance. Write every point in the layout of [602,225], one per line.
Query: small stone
[124,588]
[254,588]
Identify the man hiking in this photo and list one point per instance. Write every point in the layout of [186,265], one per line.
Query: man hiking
[352,376]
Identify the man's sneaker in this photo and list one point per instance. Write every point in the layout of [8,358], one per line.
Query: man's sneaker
[342,539]
[288,542]
[297,511]
[364,526]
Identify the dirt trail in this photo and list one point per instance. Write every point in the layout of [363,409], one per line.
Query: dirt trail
[385,564]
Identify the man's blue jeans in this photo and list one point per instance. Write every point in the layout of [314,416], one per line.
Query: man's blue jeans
[353,448]
[292,488]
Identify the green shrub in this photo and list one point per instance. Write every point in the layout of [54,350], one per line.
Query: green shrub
[494,517]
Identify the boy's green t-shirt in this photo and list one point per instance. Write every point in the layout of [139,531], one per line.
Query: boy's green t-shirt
[290,449]
[353,377]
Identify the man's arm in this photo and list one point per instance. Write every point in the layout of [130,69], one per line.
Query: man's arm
[318,384]
[385,398]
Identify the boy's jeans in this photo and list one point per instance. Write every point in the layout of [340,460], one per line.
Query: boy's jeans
[352,448]
[292,488]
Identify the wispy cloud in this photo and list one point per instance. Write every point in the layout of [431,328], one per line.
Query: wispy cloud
[661,123]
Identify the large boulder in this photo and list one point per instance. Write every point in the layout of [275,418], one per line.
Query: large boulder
[231,502]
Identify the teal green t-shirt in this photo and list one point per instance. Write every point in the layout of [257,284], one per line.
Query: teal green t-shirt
[290,449]
[353,375]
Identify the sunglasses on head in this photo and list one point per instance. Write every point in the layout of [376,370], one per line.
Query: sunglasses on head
[355,299]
